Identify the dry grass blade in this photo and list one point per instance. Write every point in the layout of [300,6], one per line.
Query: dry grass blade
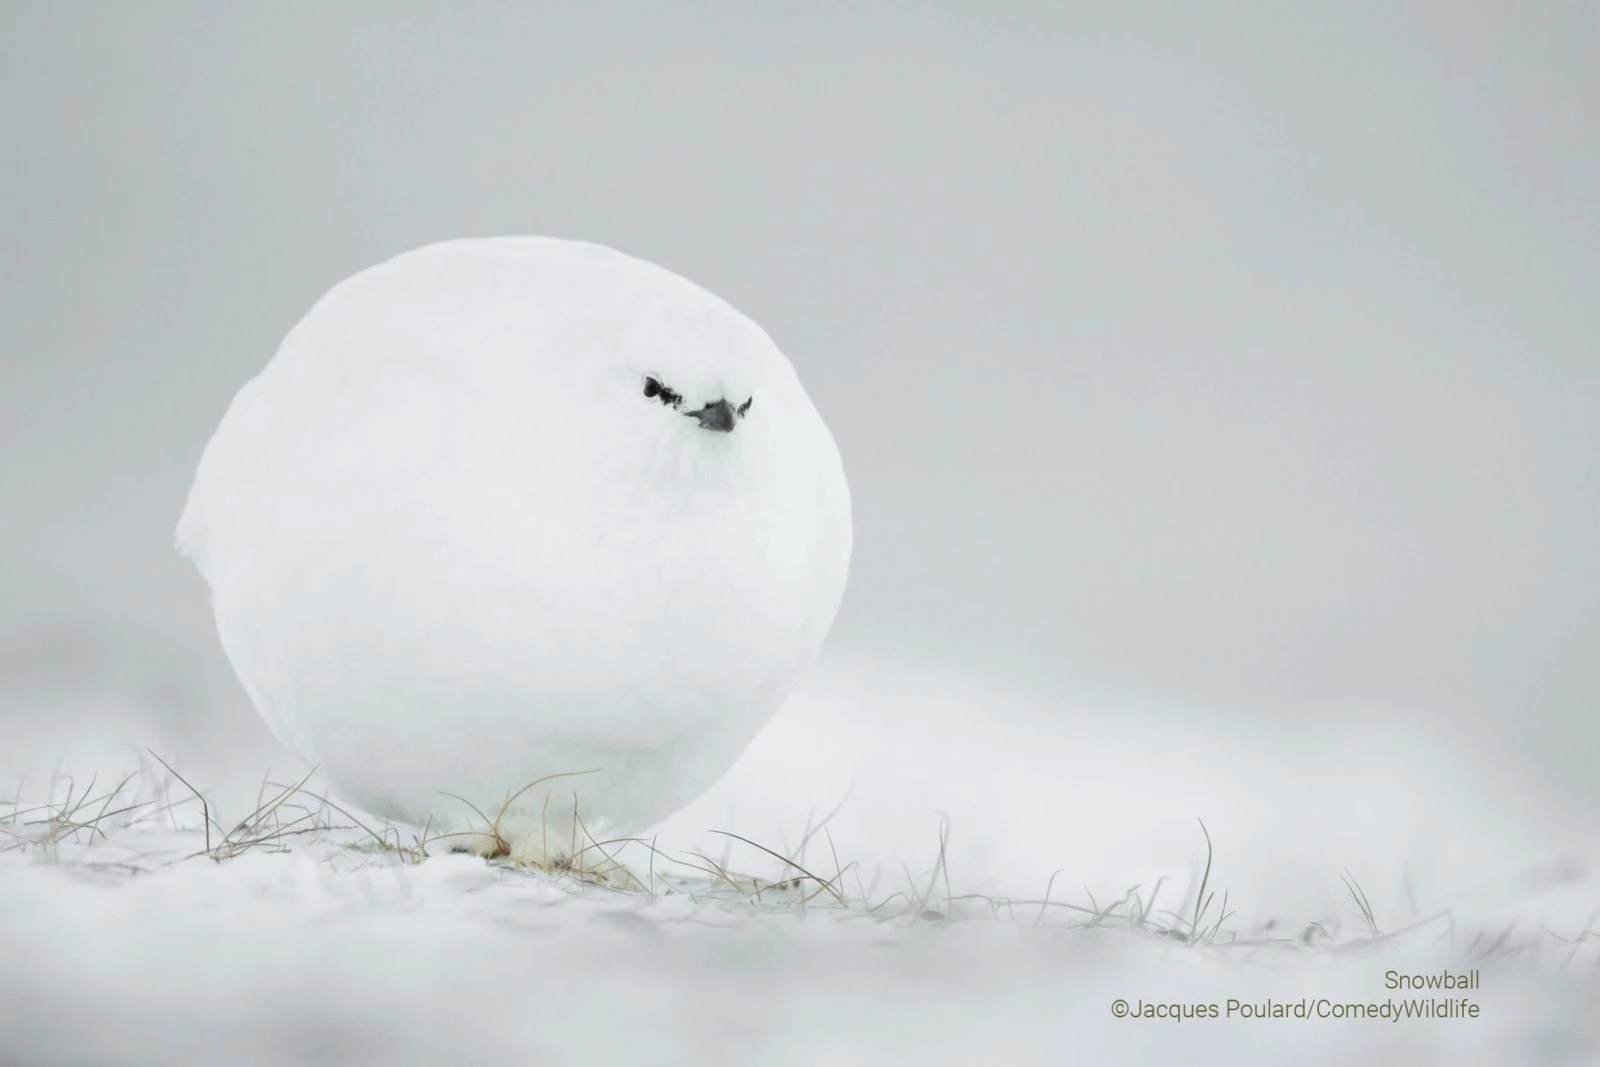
[1496,946]
[205,808]
[1202,901]
[1363,905]
[786,860]
[717,870]
[598,875]
[940,866]
[1044,905]
[64,821]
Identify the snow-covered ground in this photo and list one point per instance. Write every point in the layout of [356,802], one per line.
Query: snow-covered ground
[1073,856]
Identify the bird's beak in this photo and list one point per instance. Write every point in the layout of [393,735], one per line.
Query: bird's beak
[718,416]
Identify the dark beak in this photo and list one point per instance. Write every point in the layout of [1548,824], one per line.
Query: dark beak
[718,416]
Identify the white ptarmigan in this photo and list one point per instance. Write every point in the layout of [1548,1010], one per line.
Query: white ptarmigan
[512,508]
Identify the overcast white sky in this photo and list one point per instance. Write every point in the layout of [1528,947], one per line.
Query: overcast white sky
[1224,355]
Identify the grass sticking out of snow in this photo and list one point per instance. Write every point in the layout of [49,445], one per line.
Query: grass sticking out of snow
[154,818]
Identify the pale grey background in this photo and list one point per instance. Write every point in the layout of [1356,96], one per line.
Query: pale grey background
[1237,357]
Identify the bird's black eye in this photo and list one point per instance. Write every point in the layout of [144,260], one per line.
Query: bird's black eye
[655,390]
[745,407]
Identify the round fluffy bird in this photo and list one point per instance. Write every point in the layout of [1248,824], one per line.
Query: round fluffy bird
[521,538]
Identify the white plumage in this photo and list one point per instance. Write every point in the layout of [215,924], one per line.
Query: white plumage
[460,538]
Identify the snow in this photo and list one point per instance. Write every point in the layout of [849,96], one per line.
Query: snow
[321,948]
